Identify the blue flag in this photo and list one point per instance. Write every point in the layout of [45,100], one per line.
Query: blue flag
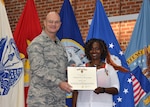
[71,38]
[100,28]
[138,50]
[140,39]
[70,35]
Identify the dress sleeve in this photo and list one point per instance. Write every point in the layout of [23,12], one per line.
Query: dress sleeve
[113,76]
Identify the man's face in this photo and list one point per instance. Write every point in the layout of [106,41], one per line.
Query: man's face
[52,23]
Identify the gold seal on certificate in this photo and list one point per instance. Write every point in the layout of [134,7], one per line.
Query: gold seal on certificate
[82,78]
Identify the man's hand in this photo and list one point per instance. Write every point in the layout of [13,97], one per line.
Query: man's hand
[65,86]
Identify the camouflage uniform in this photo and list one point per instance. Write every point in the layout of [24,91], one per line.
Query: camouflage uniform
[48,61]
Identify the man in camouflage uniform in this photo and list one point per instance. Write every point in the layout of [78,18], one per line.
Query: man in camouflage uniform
[48,61]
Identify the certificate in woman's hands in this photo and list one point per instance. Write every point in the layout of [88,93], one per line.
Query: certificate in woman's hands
[82,78]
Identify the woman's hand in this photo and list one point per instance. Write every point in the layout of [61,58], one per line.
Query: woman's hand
[110,90]
[99,90]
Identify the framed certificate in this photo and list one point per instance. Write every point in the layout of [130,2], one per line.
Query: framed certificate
[82,78]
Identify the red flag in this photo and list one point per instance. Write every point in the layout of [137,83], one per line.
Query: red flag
[28,27]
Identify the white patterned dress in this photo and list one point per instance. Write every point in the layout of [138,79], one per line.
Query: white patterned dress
[106,77]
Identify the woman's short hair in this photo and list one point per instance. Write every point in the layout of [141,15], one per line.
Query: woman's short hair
[103,48]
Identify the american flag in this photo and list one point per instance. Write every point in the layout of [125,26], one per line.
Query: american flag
[141,88]
[138,91]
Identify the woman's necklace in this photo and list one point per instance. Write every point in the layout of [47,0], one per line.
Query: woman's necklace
[100,65]
[96,65]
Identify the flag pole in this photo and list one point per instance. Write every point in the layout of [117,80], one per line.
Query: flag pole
[71,1]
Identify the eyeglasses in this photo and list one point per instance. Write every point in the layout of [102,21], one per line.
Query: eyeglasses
[54,22]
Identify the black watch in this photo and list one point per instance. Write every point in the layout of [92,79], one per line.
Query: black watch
[103,90]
